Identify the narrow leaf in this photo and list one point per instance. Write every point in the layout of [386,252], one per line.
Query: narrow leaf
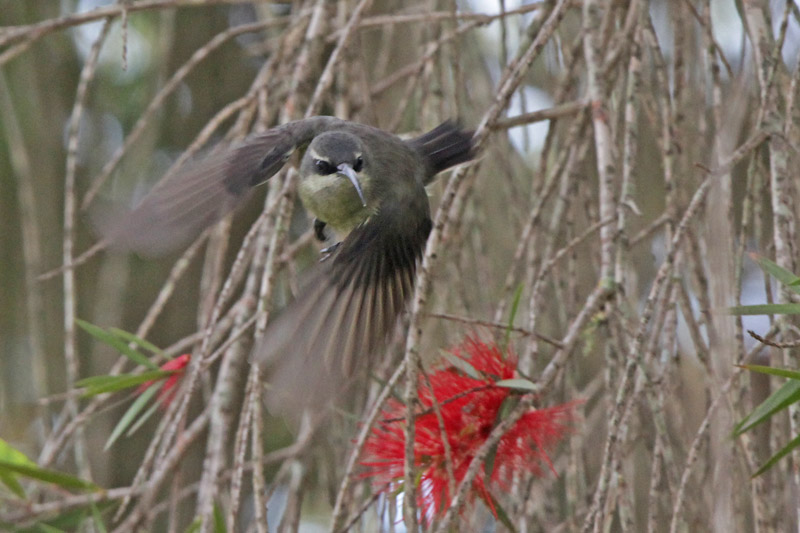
[48,476]
[12,484]
[508,405]
[127,419]
[12,455]
[71,520]
[519,384]
[774,371]
[140,342]
[500,513]
[101,384]
[219,520]
[47,528]
[194,526]
[509,402]
[488,464]
[782,398]
[98,520]
[513,313]
[462,365]
[794,443]
[117,343]
[785,277]
[765,309]
[142,419]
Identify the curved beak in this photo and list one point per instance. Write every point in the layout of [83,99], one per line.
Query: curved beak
[347,170]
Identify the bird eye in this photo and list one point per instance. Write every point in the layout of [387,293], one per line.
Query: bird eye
[359,164]
[323,167]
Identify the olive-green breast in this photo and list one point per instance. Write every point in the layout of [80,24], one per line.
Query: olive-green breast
[334,200]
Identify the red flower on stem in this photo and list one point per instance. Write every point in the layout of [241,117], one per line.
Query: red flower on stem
[470,407]
[177,367]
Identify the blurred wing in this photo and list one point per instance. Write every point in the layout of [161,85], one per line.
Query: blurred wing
[351,303]
[200,193]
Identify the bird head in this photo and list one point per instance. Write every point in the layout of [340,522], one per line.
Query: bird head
[337,153]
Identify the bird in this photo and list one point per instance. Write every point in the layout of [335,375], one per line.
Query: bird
[364,185]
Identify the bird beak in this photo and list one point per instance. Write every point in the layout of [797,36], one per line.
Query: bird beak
[348,171]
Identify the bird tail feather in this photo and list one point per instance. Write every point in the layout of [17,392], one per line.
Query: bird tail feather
[444,146]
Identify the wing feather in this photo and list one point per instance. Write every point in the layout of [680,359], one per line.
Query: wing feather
[349,308]
[201,192]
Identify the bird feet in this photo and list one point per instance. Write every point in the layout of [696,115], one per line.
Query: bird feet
[327,252]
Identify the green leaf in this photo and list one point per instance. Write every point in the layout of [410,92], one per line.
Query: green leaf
[782,398]
[142,419]
[117,343]
[127,419]
[765,309]
[47,528]
[499,512]
[399,489]
[13,485]
[219,520]
[97,519]
[518,384]
[101,384]
[794,443]
[513,313]
[488,464]
[508,405]
[71,520]
[785,277]
[382,382]
[12,455]
[48,476]
[130,337]
[194,526]
[774,371]
[462,365]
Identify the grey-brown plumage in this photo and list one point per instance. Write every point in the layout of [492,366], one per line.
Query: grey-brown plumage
[366,185]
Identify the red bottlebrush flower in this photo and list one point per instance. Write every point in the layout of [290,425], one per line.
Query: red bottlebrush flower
[177,367]
[470,410]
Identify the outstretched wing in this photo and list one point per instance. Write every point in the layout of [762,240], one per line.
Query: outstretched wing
[200,193]
[350,304]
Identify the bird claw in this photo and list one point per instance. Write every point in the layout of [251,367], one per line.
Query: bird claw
[327,252]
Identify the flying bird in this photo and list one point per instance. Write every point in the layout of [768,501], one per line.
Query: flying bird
[364,185]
